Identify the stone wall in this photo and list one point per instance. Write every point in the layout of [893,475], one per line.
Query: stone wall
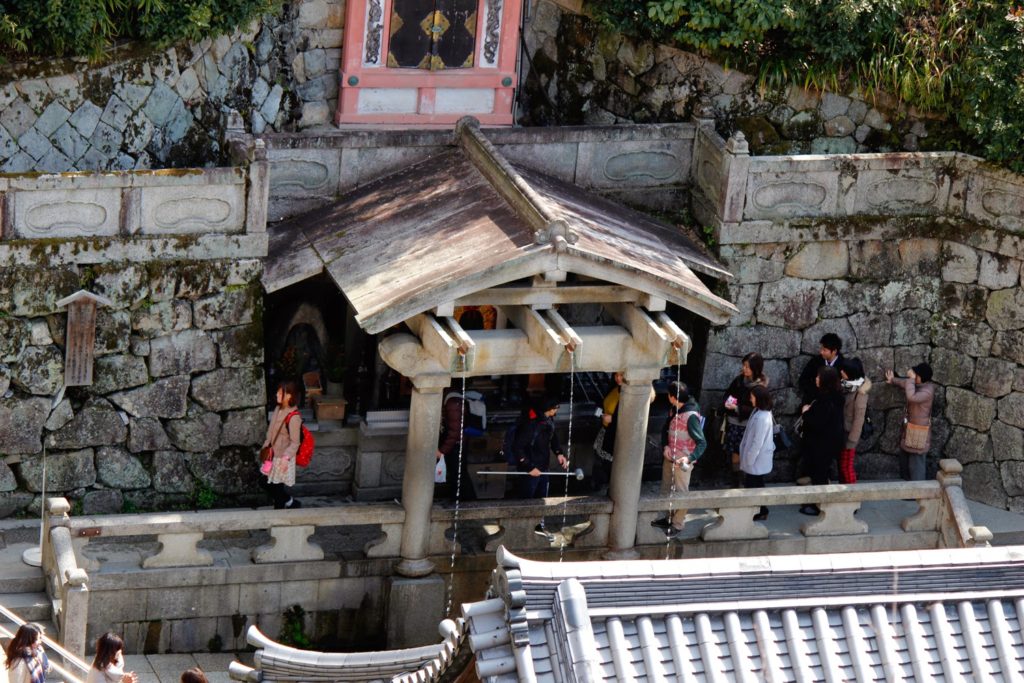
[908,258]
[165,109]
[579,72]
[177,401]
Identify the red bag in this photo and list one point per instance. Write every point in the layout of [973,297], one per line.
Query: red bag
[306,443]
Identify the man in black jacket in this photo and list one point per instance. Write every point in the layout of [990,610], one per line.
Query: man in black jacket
[828,355]
[535,441]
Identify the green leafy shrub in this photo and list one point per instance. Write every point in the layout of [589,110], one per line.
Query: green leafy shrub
[963,59]
[293,628]
[57,28]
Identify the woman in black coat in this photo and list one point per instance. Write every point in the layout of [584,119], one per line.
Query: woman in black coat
[823,435]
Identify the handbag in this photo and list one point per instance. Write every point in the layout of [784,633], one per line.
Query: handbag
[267,452]
[781,438]
[915,437]
[599,450]
[867,430]
[441,472]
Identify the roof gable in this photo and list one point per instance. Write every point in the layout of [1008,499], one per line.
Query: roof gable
[467,220]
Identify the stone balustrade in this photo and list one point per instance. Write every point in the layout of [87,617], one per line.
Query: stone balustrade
[941,519]
[97,217]
[752,196]
[193,572]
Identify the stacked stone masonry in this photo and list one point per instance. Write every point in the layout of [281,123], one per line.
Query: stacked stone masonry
[908,258]
[178,400]
[166,108]
[582,73]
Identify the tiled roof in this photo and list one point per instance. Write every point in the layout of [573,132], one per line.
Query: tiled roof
[457,223]
[276,662]
[938,615]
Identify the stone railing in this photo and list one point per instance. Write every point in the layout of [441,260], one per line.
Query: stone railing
[942,519]
[66,582]
[738,188]
[648,164]
[209,556]
[91,217]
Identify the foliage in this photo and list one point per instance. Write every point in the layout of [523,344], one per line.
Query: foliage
[56,28]
[203,496]
[293,628]
[963,59]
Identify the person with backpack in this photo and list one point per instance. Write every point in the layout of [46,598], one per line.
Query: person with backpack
[278,455]
[683,443]
[455,417]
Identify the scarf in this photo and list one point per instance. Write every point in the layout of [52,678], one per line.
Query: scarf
[38,664]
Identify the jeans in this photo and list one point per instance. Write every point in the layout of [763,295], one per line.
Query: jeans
[912,466]
[533,487]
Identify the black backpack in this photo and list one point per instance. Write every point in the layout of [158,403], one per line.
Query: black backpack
[508,444]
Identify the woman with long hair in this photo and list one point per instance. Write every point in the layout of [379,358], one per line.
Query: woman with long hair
[738,406]
[855,389]
[108,665]
[824,436]
[283,434]
[757,449]
[26,659]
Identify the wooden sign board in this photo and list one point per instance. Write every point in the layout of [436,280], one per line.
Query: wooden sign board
[80,337]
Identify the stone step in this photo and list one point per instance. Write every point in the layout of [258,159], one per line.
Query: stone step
[29,606]
[15,575]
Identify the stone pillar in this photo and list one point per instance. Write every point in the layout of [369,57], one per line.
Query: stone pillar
[628,465]
[418,479]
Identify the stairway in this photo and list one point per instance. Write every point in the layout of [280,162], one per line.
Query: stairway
[23,589]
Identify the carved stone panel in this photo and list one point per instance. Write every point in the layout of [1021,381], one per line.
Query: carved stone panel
[995,198]
[304,172]
[633,164]
[192,209]
[914,191]
[67,213]
[790,194]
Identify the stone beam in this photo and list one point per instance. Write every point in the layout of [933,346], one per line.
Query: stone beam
[681,342]
[609,348]
[546,297]
[464,344]
[569,336]
[645,332]
[436,340]
[544,339]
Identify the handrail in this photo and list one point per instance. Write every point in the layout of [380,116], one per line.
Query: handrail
[74,660]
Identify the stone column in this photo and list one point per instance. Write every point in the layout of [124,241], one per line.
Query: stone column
[418,478]
[627,467]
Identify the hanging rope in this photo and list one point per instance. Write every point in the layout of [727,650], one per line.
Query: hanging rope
[672,474]
[458,491]
[568,451]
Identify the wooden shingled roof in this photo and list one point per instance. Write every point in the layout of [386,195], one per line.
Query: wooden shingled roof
[466,220]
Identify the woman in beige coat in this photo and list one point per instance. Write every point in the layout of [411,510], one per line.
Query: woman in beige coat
[283,434]
[855,387]
[920,392]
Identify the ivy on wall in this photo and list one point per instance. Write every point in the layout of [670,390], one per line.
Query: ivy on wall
[67,28]
[963,59]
